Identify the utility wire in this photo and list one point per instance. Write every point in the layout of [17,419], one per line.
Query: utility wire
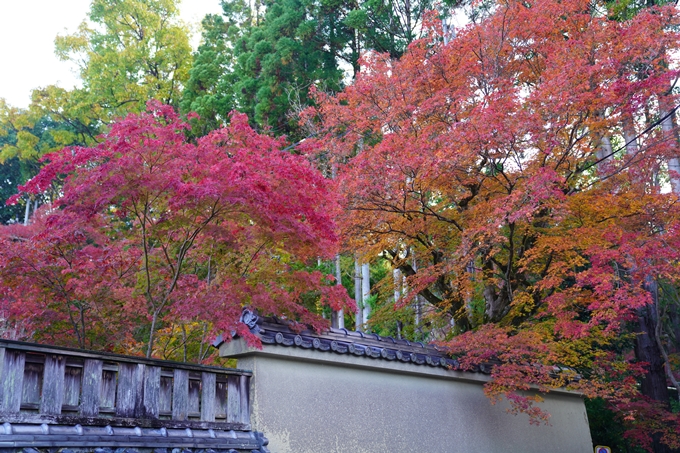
[625,145]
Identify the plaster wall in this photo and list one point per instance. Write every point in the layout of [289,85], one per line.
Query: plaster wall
[308,401]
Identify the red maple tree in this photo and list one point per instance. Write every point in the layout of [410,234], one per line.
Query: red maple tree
[150,228]
[515,178]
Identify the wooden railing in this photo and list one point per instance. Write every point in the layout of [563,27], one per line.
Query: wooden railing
[45,384]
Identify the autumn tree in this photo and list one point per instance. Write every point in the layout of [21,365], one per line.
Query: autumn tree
[130,51]
[151,229]
[261,58]
[483,159]
[25,135]
[127,52]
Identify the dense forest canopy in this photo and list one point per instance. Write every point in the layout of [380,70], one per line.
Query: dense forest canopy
[507,189]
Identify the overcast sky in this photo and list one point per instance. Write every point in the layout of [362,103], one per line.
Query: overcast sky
[27,32]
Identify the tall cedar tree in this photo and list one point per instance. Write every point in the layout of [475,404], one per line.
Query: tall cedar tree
[261,58]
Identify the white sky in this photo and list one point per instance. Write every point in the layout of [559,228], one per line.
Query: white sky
[27,32]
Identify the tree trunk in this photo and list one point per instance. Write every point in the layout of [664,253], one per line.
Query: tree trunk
[149,349]
[654,383]
[338,317]
[366,290]
[448,30]
[674,317]
[496,299]
[604,152]
[629,134]
[27,212]
[647,350]
[359,317]
[647,346]
[668,128]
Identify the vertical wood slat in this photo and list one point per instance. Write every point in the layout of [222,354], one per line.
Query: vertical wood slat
[53,384]
[2,377]
[130,388]
[91,388]
[165,400]
[72,382]
[152,391]
[221,400]
[180,395]
[107,394]
[33,378]
[194,403]
[233,399]
[208,388]
[244,387]
[12,380]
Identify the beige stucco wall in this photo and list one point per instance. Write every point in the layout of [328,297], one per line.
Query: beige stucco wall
[308,401]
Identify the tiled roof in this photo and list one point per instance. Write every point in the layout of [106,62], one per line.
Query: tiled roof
[17,435]
[273,331]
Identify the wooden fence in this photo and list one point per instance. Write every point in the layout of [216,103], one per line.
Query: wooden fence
[51,385]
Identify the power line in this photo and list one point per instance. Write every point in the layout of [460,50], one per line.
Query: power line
[625,145]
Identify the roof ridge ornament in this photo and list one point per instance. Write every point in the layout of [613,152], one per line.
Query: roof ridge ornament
[249,318]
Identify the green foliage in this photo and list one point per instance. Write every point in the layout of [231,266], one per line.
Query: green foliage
[131,51]
[209,88]
[675,406]
[627,9]
[264,69]
[10,178]
[263,62]
[26,135]
[388,27]
[605,427]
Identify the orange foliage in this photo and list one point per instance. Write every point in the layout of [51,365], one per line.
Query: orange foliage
[479,159]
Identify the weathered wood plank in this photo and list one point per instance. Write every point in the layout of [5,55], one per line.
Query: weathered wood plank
[233,400]
[244,390]
[165,397]
[136,394]
[2,376]
[194,403]
[107,394]
[53,384]
[130,388]
[180,395]
[72,383]
[221,399]
[33,379]
[92,387]
[208,391]
[139,390]
[152,391]
[109,357]
[12,380]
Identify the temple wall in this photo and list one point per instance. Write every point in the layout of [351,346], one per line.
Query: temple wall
[309,401]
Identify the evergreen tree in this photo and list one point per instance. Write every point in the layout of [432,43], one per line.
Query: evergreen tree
[263,62]
[263,59]
[209,89]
